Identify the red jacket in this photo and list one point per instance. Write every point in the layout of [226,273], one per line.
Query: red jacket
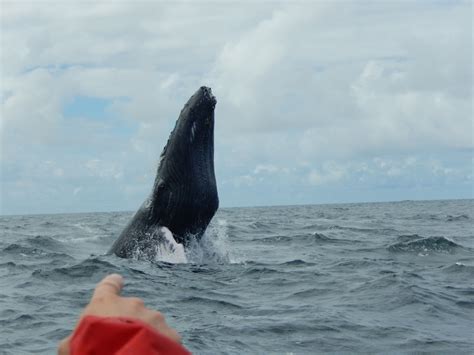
[121,336]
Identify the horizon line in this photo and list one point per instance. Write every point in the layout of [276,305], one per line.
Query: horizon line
[246,206]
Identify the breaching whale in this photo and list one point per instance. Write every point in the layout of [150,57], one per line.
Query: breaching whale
[184,196]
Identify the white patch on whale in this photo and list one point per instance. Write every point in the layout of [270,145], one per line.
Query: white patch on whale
[160,246]
[193,132]
[169,250]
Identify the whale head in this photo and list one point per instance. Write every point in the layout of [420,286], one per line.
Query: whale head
[184,197]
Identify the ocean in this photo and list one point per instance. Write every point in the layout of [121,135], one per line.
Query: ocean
[393,277]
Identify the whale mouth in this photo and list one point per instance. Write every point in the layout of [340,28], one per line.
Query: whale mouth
[202,100]
[190,146]
[197,117]
[194,127]
[207,94]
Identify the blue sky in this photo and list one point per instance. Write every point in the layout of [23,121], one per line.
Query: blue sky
[318,102]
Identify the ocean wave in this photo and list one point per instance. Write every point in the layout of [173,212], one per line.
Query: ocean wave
[308,238]
[325,227]
[313,226]
[354,264]
[425,245]
[48,224]
[466,304]
[44,242]
[395,292]
[84,269]
[464,291]
[261,271]
[261,226]
[297,262]
[304,283]
[19,321]
[310,293]
[425,216]
[23,250]
[460,268]
[341,208]
[386,282]
[11,266]
[362,230]
[461,217]
[408,238]
[285,328]
[90,228]
[210,302]
[439,217]
[15,251]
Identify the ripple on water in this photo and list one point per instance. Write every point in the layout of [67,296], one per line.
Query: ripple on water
[425,245]
[296,263]
[85,269]
[458,218]
[44,242]
[306,239]
[210,302]
[460,268]
[310,279]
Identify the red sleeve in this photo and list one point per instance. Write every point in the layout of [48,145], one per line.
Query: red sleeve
[120,336]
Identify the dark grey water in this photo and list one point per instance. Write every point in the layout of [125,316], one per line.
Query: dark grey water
[377,277]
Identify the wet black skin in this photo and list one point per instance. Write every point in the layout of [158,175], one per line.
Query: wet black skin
[184,196]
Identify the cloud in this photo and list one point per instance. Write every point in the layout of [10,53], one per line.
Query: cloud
[265,168]
[77,190]
[309,94]
[322,85]
[103,169]
[330,173]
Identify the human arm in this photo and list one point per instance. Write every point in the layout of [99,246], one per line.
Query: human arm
[120,325]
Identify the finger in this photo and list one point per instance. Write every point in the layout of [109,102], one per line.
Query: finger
[63,348]
[157,320]
[110,285]
[170,333]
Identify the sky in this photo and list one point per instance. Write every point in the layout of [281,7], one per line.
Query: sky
[317,101]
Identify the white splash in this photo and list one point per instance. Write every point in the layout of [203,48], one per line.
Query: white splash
[88,233]
[212,247]
[169,250]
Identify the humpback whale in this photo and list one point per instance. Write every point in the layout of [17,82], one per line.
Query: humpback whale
[184,196]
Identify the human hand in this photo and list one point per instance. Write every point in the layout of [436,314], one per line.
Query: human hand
[107,302]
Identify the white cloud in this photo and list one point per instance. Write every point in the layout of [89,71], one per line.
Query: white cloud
[329,174]
[103,169]
[265,168]
[311,91]
[242,180]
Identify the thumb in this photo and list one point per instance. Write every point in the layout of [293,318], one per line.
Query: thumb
[110,285]
[63,348]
